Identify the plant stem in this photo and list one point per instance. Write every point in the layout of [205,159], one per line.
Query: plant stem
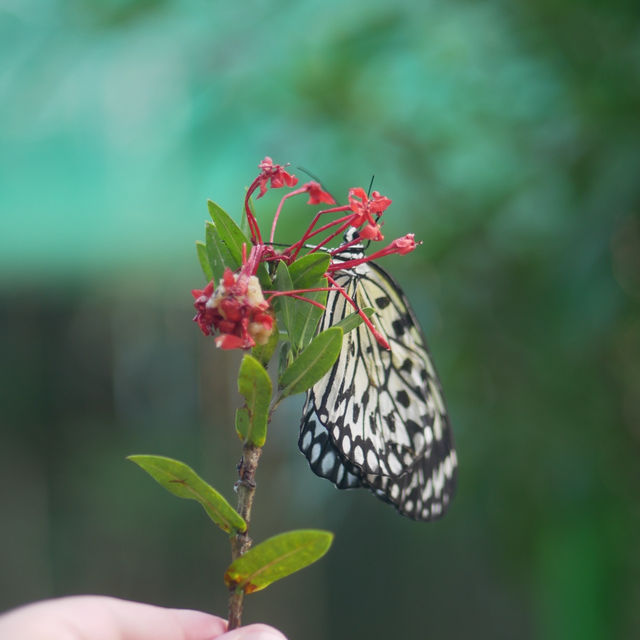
[241,542]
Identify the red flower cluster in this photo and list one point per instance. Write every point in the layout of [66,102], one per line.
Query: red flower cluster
[236,309]
[364,210]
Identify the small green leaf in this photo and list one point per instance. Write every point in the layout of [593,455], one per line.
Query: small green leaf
[277,558]
[243,422]
[228,231]
[354,320]
[219,255]
[233,238]
[286,358]
[184,482]
[312,363]
[308,273]
[254,385]
[307,318]
[284,304]
[203,258]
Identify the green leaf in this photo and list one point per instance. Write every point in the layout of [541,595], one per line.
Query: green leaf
[306,318]
[184,482]
[284,304]
[308,273]
[219,255]
[203,258]
[228,231]
[254,385]
[354,320]
[312,363]
[277,558]
[286,358]
[233,238]
[309,270]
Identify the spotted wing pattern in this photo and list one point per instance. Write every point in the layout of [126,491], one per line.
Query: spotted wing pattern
[378,418]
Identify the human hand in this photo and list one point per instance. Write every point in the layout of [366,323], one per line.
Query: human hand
[103,618]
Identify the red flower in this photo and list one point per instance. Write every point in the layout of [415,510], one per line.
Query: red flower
[205,316]
[317,194]
[371,232]
[364,207]
[274,173]
[236,309]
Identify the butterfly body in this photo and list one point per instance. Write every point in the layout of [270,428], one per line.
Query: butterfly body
[377,419]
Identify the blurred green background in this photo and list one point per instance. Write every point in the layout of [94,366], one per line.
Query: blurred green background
[507,135]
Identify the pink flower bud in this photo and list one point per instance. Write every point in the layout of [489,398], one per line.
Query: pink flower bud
[404,245]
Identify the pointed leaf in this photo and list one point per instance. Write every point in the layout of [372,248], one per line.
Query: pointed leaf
[309,270]
[254,385]
[219,255]
[312,363]
[203,258]
[277,558]
[308,273]
[286,358]
[306,319]
[228,231]
[233,238]
[284,304]
[184,482]
[354,320]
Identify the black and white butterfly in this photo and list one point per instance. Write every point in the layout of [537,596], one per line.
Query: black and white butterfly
[378,418]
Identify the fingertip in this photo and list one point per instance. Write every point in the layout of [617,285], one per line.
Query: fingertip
[255,632]
[198,625]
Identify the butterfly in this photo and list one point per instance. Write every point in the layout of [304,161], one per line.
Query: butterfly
[378,419]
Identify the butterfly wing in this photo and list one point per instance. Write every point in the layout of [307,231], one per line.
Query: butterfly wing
[378,418]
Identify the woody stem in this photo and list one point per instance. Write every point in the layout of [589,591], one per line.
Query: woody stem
[241,542]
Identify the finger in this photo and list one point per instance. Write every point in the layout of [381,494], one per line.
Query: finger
[103,618]
[254,632]
[135,621]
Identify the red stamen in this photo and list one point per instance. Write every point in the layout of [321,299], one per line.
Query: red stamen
[294,294]
[340,229]
[275,218]
[403,245]
[309,233]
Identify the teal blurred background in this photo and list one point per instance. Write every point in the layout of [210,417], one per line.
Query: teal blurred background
[508,137]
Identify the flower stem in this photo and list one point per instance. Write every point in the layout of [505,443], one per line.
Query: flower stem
[241,542]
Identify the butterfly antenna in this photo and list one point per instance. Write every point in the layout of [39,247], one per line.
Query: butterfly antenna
[311,175]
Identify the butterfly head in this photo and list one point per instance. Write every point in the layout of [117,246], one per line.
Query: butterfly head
[353,251]
[352,234]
